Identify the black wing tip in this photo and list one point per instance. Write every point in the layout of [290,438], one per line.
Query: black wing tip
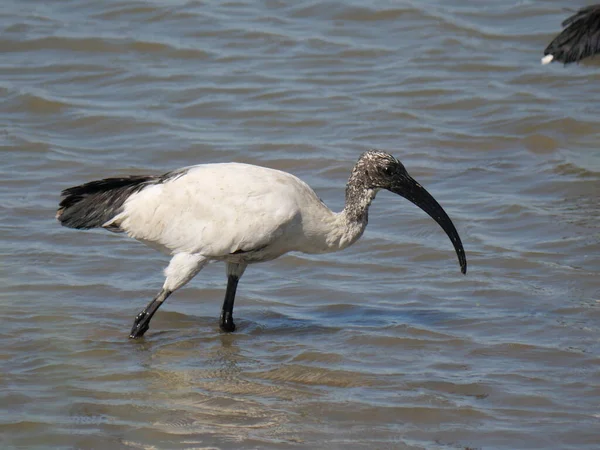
[580,38]
[92,204]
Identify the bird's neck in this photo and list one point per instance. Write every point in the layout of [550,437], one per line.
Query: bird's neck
[358,199]
[353,220]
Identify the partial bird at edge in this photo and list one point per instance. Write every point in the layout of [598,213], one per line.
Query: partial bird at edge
[580,38]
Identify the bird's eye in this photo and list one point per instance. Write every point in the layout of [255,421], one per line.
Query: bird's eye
[388,170]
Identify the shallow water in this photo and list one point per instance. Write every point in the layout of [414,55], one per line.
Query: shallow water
[385,345]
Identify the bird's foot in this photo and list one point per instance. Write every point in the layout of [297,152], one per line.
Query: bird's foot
[226,324]
[141,324]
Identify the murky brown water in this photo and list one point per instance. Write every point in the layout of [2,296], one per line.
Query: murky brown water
[383,346]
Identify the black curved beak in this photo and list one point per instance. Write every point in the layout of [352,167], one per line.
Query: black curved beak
[408,188]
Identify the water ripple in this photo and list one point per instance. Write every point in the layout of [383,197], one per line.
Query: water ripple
[384,345]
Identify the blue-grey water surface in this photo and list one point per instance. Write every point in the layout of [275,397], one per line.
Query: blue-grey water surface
[383,346]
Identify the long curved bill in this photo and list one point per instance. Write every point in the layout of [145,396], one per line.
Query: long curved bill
[407,187]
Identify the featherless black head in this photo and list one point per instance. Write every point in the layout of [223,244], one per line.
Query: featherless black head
[377,169]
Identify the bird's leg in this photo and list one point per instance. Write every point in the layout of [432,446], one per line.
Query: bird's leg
[234,272]
[142,320]
[226,322]
[181,269]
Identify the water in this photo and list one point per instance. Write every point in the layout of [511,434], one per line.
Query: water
[385,345]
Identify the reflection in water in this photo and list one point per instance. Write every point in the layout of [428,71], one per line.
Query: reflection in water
[208,394]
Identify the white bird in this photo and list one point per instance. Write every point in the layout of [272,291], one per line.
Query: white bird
[240,214]
[580,38]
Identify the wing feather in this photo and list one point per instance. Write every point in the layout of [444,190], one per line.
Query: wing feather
[216,209]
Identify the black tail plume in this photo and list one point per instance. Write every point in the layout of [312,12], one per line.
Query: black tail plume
[92,204]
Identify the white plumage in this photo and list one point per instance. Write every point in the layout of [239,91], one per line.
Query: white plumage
[260,208]
[237,213]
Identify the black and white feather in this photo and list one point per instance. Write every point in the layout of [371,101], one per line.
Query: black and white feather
[93,204]
[580,38]
[97,203]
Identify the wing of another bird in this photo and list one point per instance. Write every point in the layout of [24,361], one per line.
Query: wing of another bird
[580,38]
[217,210]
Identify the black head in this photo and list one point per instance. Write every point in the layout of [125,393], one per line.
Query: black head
[380,170]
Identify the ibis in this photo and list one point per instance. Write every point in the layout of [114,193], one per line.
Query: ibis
[239,214]
[579,39]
